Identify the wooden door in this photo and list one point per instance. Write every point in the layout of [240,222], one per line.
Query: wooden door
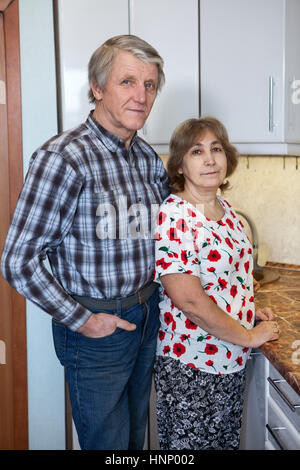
[13,362]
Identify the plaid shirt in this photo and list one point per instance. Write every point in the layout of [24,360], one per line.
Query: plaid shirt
[86,205]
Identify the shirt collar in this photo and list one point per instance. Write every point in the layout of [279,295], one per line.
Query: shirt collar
[111,141]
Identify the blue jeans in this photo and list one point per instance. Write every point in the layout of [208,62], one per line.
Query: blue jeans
[109,379]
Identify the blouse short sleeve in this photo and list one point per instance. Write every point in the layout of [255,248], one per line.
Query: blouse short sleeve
[177,236]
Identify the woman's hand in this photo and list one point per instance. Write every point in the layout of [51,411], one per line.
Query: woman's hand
[263,332]
[264,314]
[188,295]
[256,285]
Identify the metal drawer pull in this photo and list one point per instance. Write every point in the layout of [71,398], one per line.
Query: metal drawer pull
[253,355]
[271,431]
[274,382]
[271,104]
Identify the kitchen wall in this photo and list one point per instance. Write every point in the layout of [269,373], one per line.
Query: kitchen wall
[267,188]
[46,400]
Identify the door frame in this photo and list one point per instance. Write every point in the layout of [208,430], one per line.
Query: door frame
[15,434]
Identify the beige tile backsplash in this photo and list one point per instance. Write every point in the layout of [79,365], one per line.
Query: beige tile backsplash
[267,188]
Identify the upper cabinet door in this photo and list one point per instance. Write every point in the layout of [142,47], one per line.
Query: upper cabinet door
[292,71]
[172,27]
[242,67]
[82,27]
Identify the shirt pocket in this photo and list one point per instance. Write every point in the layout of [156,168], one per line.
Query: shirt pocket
[123,215]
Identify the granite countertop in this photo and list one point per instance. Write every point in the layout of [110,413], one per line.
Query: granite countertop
[283,296]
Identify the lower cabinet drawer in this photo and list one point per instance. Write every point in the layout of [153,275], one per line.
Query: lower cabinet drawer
[285,397]
[281,432]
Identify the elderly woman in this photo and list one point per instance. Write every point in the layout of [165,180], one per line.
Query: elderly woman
[204,264]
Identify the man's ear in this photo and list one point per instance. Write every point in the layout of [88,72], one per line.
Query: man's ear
[97,92]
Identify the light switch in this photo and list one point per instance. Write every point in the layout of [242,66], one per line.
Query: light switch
[2,92]
[2,352]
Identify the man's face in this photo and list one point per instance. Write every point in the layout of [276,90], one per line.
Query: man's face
[123,107]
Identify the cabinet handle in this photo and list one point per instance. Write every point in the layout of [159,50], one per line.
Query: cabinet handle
[271,431]
[274,382]
[253,355]
[291,105]
[271,104]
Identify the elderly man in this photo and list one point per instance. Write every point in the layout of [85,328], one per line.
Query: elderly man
[87,204]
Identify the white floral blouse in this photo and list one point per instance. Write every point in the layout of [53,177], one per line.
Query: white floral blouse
[220,254]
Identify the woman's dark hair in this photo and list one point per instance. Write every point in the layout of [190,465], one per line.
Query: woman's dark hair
[185,136]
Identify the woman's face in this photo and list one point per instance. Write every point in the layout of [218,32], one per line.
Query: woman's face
[204,165]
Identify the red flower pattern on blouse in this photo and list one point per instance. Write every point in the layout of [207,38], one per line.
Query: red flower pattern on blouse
[161,218]
[161,262]
[227,240]
[239,360]
[184,337]
[172,234]
[161,335]
[233,291]
[211,349]
[230,223]
[218,253]
[190,325]
[214,256]
[178,349]
[249,316]
[222,283]
[168,317]
[181,225]
[184,256]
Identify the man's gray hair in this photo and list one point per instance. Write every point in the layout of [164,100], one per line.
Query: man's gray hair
[101,62]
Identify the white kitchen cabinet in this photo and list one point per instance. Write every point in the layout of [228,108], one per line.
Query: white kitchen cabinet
[81,28]
[253,422]
[271,415]
[282,413]
[249,61]
[172,27]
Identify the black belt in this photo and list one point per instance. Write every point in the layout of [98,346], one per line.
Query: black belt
[139,297]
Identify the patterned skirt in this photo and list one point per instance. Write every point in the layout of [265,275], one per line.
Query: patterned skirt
[197,410]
